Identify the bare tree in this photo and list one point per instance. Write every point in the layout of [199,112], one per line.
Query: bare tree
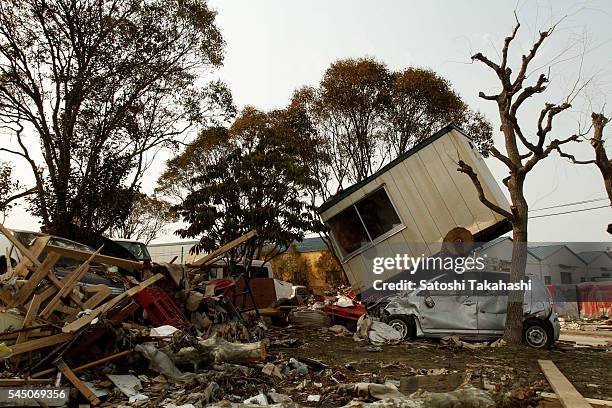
[601,160]
[522,152]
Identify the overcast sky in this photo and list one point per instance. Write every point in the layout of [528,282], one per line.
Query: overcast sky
[276,46]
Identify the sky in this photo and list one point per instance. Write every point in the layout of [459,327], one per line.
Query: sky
[276,46]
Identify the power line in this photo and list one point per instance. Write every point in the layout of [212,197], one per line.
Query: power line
[569,212]
[570,204]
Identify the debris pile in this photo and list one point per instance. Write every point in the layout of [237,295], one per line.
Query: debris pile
[68,318]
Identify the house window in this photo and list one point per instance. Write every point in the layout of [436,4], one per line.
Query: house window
[363,222]
[566,277]
[582,279]
[547,280]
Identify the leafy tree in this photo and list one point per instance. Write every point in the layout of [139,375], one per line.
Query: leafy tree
[346,110]
[176,182]
[148,218]
[260,183]
[103,85]
[331,268]
[364,115]
[8,186]
[422,102]
[293,267]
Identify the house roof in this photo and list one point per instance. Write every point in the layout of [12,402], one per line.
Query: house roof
[544,251]
[590,256]
[425,142]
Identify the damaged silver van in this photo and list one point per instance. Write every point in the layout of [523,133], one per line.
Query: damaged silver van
[470,314]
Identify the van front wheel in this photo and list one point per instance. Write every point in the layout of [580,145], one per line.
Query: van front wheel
[403,324]
[537,335]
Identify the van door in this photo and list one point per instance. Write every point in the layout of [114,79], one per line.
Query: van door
[451,312]
[492,305]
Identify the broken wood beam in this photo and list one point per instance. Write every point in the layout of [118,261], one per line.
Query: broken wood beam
[103,259]
[71,376]
[68,284]
[85,320]
[22,249]
[100,295]
[43,342]
[22,269]
[88,365]
[39,274]
[29,319]
[568,395]
[227,247]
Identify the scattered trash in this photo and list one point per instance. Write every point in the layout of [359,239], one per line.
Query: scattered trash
[313,398]
[163,331]
[376,332]
[339,330]
[259,399]
[128,385]
[344,301]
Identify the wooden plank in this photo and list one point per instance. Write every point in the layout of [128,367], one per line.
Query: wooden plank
[551,400]
[68,284]
[32,345]
[227,247]
[33,333]
[104,259]
[85,320]
[66,310]
[29,318]
[95,300]
[23,268]
[71,376]
[39,274]
[568,395]
[22,249]
[57,284]
[102,360]
[87,365]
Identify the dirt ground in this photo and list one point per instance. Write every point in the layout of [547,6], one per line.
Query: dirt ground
[504,367]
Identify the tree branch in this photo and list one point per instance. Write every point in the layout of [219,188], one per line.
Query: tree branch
[467,169]
[18,196]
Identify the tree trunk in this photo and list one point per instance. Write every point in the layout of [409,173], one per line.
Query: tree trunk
[513,332]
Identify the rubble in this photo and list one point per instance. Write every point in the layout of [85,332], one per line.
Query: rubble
[206,350]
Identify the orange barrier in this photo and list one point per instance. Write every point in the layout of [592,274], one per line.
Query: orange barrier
[587,299]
